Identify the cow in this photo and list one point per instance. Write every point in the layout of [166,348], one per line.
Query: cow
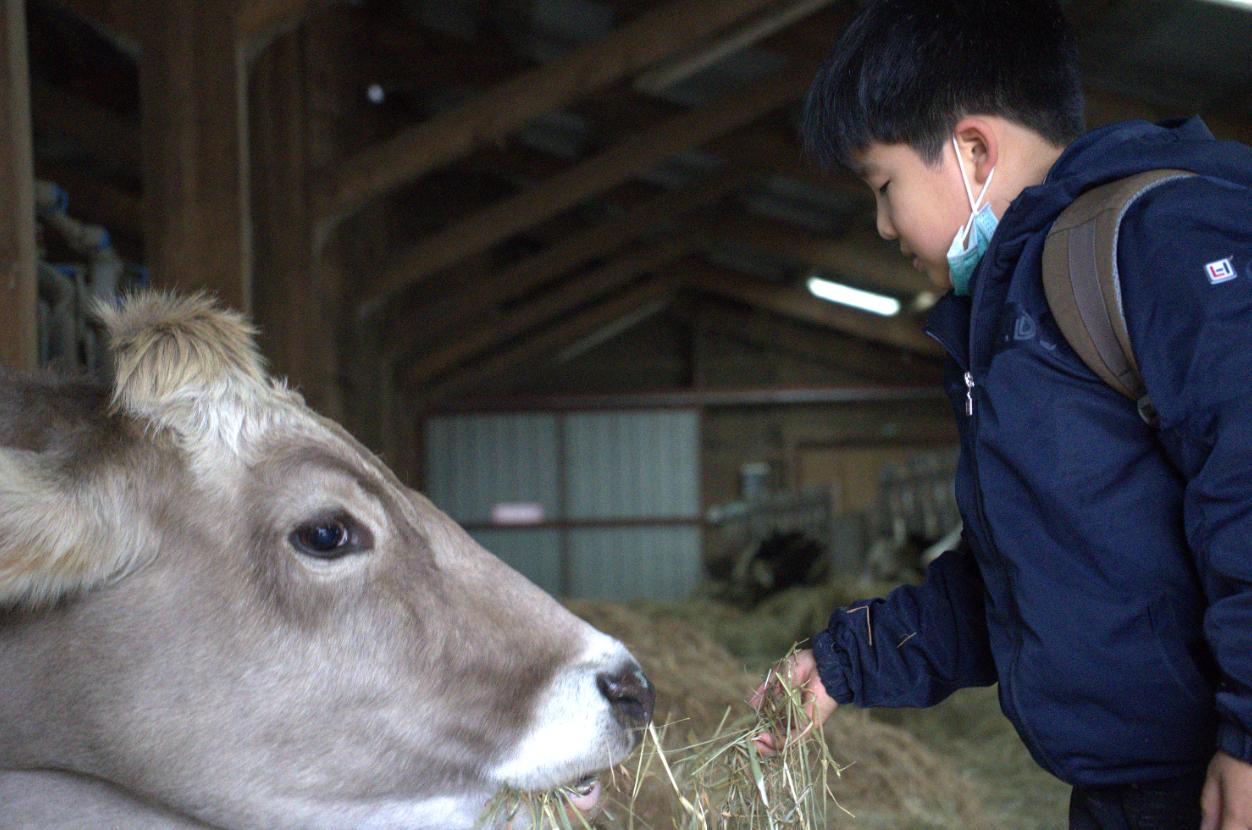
[217,609]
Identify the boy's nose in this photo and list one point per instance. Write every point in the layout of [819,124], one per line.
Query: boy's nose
[885,229]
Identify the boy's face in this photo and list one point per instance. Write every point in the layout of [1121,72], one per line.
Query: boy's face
[920,205]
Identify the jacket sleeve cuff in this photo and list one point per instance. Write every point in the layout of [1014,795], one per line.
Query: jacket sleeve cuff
[833,666]
[1231,738]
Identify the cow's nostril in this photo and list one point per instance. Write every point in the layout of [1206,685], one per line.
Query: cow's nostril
[630,695]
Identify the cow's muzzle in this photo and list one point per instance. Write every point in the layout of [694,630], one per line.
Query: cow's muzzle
[630,694]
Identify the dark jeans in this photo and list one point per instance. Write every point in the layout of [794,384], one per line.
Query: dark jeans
[1159,805]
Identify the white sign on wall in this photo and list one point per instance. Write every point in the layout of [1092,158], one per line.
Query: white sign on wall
[517,513]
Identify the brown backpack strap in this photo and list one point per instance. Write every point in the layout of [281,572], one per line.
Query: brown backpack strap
[1081,282]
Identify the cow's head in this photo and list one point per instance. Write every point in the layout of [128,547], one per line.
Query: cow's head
[221,602]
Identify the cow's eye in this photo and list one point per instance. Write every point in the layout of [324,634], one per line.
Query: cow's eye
[328,538]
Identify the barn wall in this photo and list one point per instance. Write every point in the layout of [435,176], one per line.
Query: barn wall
[613,496]
[804,445]
[844,447]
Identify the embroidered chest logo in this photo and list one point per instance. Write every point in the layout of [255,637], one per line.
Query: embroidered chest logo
[1223,270]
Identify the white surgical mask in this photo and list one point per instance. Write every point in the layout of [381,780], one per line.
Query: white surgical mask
[972,240]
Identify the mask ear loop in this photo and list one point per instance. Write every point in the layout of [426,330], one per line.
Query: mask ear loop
[964,232]
[969,193]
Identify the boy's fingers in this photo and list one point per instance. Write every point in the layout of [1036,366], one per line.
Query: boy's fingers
[1211,805]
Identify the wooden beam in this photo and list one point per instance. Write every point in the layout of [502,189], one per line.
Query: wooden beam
[459,308]
[734,40]
[585,180]
[635,303]
[262,19]
[118,17]
[489,334]
[867,360]
[788,301]
[1106,107]
[19,344]
[651,37]
[855,259]
[738,397]
[194,101]
[125,19]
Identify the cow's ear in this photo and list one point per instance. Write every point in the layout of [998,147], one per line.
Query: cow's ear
[53,535]
[183,362]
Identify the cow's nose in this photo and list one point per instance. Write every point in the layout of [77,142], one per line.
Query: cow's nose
[630,694]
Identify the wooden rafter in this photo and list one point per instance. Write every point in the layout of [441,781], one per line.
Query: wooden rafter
[19,347]
[735,39]
[455,311]
[124,19]
[651,37]
[634,303]
[552,305]
[793,302]
[262,18]
[1105,107]
[118,17]
[868,360]
[620,162]
[854,259]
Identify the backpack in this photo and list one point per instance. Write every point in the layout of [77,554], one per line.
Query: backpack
[1081,282]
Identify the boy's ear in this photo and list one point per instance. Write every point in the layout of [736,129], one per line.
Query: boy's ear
[979,145]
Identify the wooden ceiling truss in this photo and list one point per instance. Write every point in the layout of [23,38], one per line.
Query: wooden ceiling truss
[254,157]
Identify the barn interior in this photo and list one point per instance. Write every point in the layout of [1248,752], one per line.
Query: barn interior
[554,261]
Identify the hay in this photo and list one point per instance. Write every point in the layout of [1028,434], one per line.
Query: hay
[892,781]
[761,634]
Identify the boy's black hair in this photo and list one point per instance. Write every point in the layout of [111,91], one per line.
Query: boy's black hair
[906,71]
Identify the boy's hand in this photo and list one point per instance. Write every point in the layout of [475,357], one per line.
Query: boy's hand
[801,673]
[1227,796]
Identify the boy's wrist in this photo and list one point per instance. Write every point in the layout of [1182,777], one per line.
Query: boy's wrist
[1232,739]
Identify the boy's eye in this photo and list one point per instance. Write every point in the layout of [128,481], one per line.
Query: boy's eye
[882,191]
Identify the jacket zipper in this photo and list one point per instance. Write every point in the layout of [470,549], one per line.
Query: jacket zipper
[994,551]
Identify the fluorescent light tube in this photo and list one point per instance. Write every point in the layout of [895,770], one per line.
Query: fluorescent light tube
[846,295]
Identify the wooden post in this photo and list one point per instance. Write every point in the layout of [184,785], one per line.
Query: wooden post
[194,100]
[288,299]
[19,346]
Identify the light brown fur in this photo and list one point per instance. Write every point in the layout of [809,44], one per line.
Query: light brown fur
[164,634]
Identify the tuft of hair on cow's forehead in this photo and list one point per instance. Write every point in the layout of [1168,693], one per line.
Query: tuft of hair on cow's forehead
[189,365]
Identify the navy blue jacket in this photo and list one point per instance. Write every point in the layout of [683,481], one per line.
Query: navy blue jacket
[1105,575]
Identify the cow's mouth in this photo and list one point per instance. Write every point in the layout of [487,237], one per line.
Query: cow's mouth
[584,794]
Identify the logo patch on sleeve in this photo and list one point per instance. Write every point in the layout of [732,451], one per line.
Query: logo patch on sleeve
[1223,270]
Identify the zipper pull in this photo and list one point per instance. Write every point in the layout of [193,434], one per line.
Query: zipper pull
[969,394]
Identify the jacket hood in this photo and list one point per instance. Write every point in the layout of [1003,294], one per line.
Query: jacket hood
[1115,152]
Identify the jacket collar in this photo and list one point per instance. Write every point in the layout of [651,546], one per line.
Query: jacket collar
[1100,156]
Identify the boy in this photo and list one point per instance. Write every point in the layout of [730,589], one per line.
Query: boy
[1104,578]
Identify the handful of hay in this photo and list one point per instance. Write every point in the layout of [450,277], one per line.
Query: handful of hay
[695,770]
[725,783]
[720,783]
